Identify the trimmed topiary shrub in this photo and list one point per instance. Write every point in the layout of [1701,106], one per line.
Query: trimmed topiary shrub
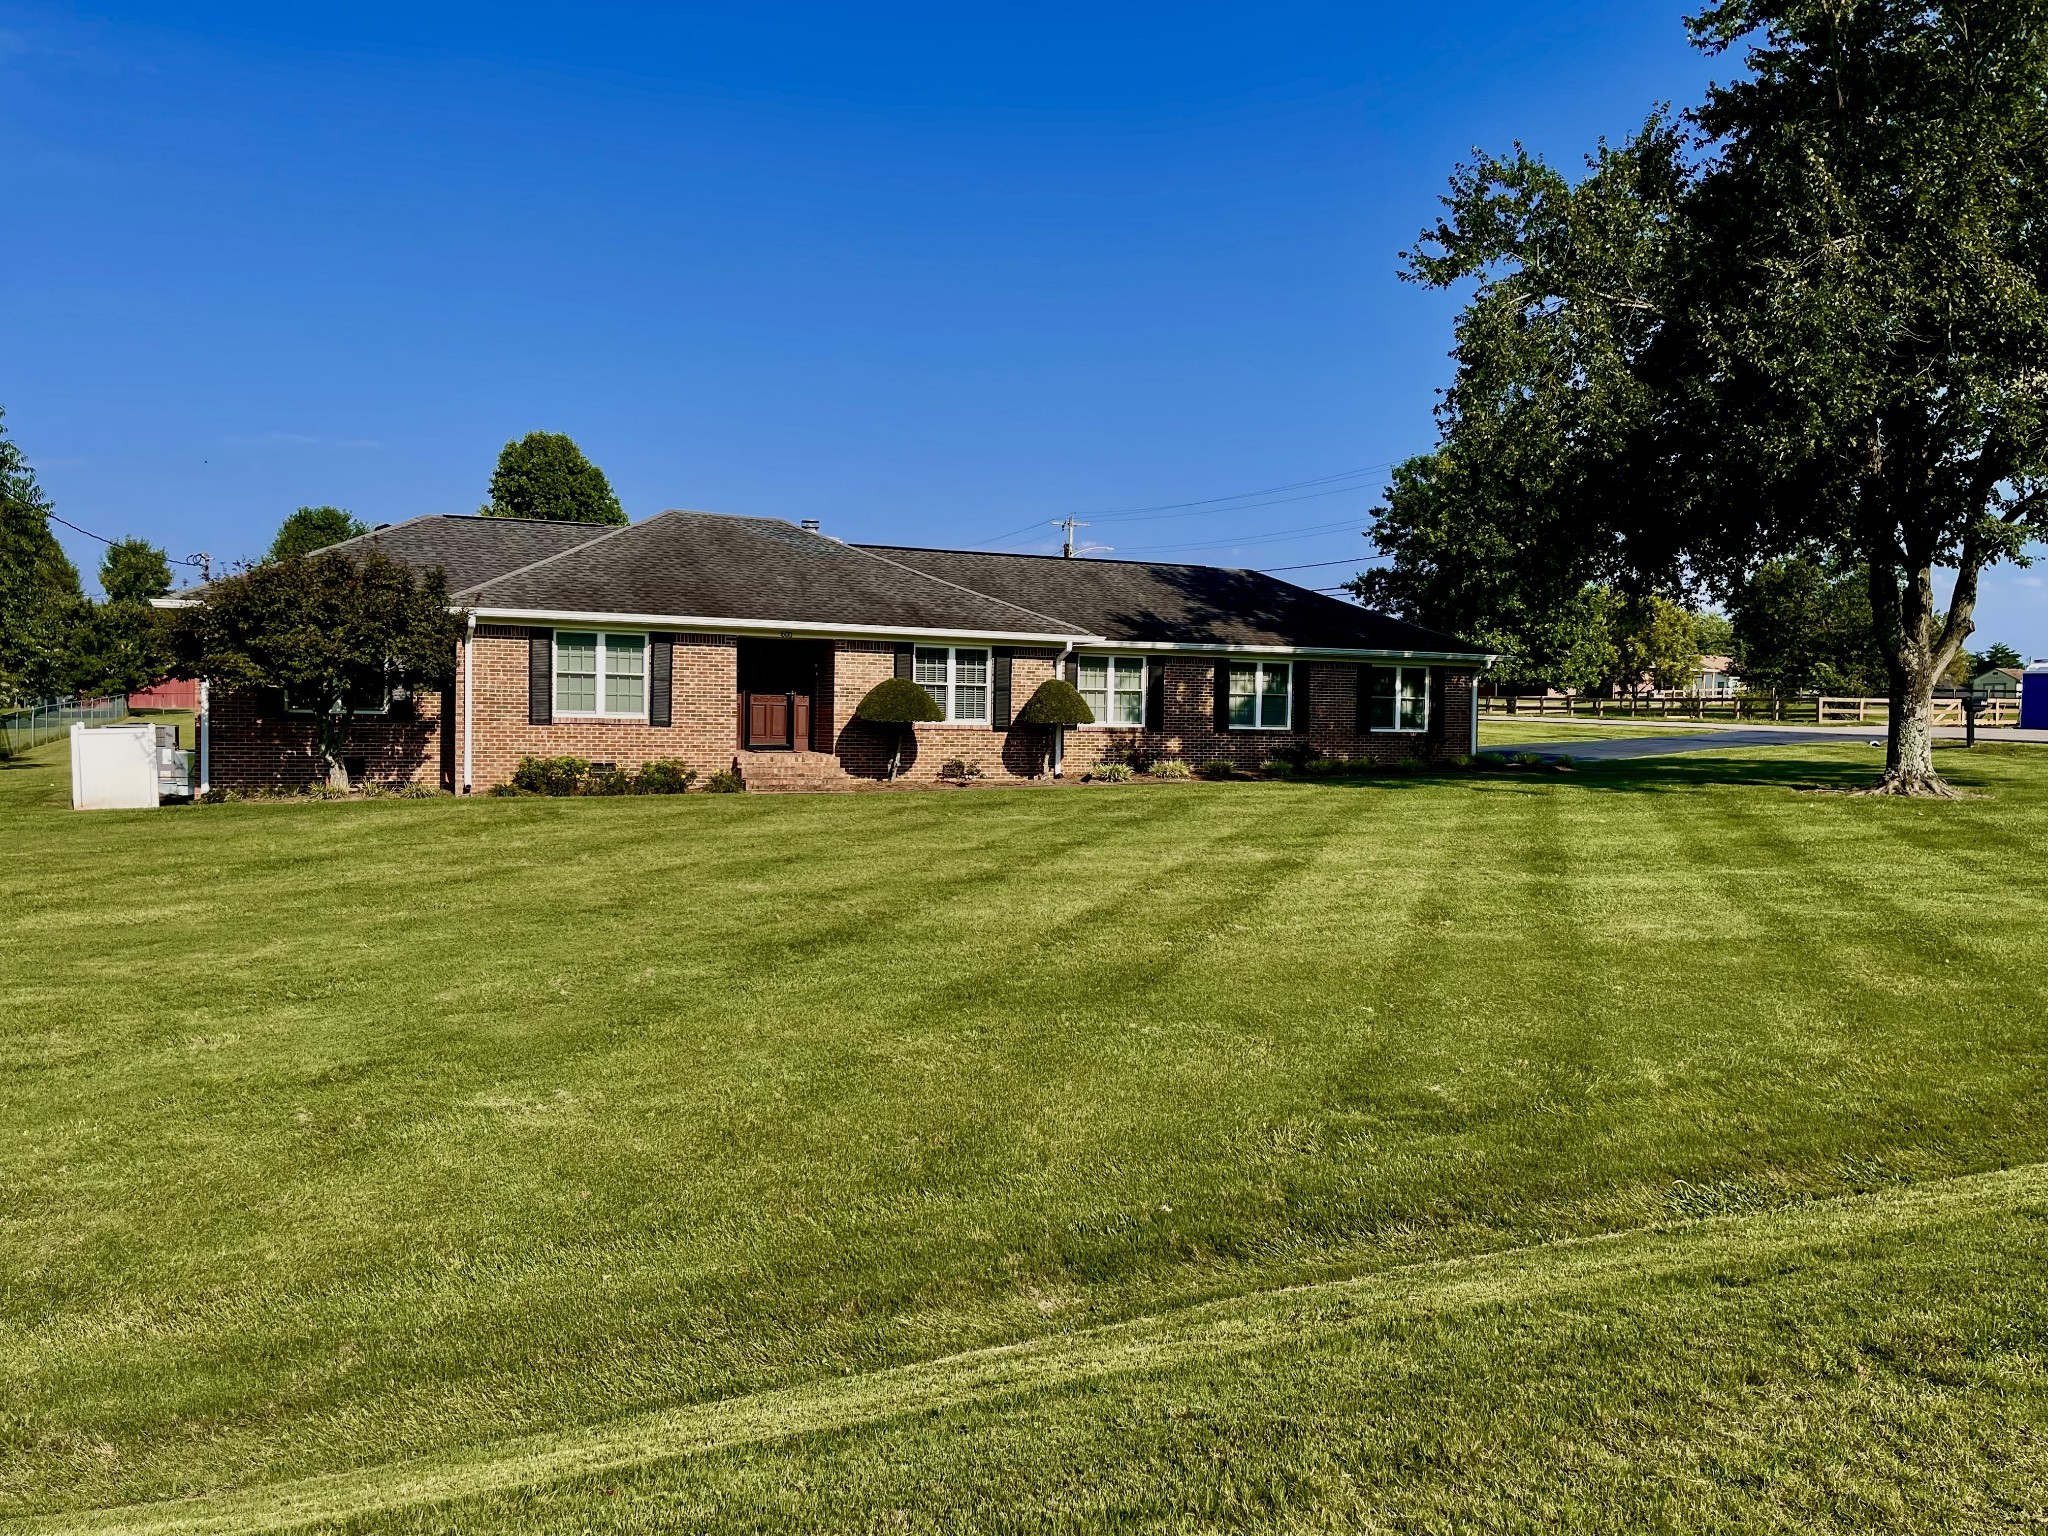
[1054,707]
[551,775]
[664,776]
[899,702]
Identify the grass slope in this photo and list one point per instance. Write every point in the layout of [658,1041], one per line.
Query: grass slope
[340,1134]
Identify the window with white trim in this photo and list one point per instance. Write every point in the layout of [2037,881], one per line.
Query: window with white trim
[1400,699]
[600,674]
[1260,695]
[957,678]
[1114,688]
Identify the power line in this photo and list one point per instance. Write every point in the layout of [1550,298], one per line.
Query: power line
[1271,490]
[53,517]
[1315,565]
[1278,536]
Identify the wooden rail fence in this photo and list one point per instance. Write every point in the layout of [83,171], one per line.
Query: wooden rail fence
[1810,709]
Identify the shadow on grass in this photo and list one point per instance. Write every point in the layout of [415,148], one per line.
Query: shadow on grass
[1655,775]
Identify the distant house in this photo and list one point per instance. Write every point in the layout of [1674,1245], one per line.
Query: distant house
[748,642]
[1717,678]
[171,693]
[1998,683]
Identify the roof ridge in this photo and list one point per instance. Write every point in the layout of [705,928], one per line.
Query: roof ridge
[1025,554]
[591,543]
[328,549]
[990,597]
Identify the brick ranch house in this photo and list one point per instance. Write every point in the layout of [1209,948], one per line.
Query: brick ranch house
[748,642]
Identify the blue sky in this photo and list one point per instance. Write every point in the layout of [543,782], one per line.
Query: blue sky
[930,274]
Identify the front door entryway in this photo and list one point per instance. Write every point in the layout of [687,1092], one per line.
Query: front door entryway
[779,679]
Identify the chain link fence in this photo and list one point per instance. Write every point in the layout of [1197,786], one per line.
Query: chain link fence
[47,719]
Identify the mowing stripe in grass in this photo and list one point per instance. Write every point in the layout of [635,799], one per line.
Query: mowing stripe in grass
[1221,1329]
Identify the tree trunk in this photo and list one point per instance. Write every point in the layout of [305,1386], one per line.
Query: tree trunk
[330,738]
[1919,646]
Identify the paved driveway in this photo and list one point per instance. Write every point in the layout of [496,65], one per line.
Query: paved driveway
[1622,747]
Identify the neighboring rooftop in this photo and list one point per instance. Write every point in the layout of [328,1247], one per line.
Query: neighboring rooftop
[1189,604]
[471,549]
[703,565]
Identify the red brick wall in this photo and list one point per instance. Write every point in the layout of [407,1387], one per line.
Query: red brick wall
[250,752]
[704,704]
[250,747]
[1189,728]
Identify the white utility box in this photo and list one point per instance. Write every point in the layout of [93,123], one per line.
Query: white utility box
[126,767]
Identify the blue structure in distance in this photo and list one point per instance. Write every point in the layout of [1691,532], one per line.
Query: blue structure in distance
[2034,698]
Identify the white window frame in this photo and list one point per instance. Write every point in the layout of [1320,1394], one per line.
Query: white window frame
[599,713]
[1115,662]
[1259,671]
[951,685]
[1397,728]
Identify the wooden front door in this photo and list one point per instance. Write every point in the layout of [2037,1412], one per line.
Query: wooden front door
[777,681]
[768,720]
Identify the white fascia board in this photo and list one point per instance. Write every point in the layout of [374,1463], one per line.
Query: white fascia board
[172,602]
[1189,648]
[781,628]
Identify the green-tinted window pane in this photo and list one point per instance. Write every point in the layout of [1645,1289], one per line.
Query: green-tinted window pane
[625,674]
[1274,696]
[1244,695]
[1414,699]
[1127,681]
[575,672]
[1091,677]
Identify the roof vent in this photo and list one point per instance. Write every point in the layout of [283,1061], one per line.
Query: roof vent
[811,525]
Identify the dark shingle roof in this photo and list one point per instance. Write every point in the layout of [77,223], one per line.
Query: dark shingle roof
[1184,604]
[704,565]
[471,549]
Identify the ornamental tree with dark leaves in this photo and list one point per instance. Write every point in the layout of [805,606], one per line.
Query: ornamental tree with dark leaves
[334,634]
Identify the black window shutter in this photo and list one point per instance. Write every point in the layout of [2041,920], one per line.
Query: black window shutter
[1436,698]
[903,655]
[1222,695]
[1155,695]
[661,667]
[1368,675]
[540,677]
[999,688]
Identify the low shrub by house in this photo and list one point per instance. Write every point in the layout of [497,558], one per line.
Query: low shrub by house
[725,782]
[664,776]
[577,776]
[1171,768]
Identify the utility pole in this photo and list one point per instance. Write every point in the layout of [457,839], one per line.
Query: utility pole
[1070,524]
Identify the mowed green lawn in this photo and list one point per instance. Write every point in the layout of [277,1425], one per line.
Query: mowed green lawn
[1659,1147]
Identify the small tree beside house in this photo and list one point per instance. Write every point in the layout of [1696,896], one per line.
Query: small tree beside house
[898,702]
[333,635]
[1054,707]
